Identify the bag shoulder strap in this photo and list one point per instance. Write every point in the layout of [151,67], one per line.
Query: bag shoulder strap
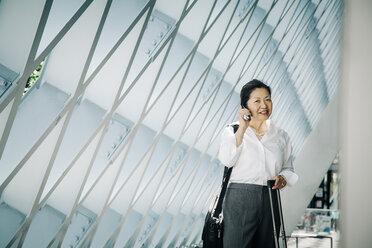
[225,181]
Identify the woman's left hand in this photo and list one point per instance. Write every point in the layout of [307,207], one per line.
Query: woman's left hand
[280,182]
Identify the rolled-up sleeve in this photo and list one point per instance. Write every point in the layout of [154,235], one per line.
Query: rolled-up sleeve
[287,169]
[229,153]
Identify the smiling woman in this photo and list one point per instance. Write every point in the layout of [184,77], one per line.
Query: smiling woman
[260,107]
[258,151]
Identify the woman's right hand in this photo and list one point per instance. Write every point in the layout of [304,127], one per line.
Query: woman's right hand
[243,125]
[243,122]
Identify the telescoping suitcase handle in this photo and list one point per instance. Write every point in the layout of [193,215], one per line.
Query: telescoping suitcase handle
[270,184]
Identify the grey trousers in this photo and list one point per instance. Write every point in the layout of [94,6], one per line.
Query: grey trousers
[247,217]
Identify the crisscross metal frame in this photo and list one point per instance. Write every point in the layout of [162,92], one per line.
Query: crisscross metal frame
[300,66]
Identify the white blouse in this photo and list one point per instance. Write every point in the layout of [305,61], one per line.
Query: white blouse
[255,161]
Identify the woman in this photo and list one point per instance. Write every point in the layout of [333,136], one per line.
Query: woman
[258,151]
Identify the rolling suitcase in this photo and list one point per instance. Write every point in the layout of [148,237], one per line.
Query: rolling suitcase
[272,194]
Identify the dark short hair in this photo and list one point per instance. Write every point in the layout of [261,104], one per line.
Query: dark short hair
[247,89]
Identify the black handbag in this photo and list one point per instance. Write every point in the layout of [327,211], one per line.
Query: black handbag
[212,235]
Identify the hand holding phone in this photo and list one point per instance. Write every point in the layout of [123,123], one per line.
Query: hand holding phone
[246,117]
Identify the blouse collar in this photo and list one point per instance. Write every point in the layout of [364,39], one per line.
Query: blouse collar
[269,123]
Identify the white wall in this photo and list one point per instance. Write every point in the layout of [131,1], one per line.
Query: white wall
[17,34]
[356,123]
[312,163]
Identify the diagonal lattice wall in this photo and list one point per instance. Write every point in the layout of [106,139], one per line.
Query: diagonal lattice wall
[116,143]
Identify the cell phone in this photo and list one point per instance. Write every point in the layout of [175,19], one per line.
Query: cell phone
[246,117]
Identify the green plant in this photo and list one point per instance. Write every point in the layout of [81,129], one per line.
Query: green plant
[33,77]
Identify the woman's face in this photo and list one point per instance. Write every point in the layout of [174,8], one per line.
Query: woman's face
[259,104]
